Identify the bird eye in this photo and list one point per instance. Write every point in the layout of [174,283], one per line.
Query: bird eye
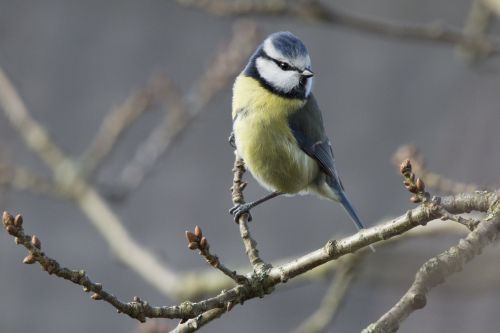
[284,66]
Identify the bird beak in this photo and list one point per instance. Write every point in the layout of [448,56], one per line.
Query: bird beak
[307,73]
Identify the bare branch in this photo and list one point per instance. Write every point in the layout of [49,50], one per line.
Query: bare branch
[458,204]
[136,309]
[159,141]
[116,122]
[437,269]
[195,324]
[237,198]
[202,312]
[470,223]
[315,11]
[196,240]
[67,178]
[202,283]
[261,282]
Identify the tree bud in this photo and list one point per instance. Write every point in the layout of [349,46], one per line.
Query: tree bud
[197,232]
[29,259]
[36,242]
[18,220]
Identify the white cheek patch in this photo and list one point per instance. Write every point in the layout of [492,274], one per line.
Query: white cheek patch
[281,80]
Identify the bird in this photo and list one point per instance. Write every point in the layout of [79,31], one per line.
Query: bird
[278,127]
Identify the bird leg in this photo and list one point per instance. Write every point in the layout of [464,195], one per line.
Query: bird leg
[241,209]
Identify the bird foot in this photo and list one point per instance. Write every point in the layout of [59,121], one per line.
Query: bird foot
[241,209]
[232,140]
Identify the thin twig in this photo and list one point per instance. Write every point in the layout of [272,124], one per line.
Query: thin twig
[195,324]
[237,198]
[437,269]
[250,244]
[315,11]
[333,298]
[431,179]
[470,223]
[418,188]
[196,241]
[159,141]
[136,309]
[67,178]
[116,122]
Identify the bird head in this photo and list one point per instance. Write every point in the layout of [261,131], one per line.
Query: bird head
[282,64]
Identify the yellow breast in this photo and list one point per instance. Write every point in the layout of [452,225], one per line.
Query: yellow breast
[264,139]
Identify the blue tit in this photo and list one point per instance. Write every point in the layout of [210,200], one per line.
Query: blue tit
[278,128]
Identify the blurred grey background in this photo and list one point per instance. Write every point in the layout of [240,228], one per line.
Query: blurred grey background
[72,61]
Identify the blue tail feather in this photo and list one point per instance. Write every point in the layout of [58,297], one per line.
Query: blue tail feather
[352,212]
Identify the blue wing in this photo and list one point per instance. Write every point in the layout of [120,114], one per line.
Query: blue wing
[307,128]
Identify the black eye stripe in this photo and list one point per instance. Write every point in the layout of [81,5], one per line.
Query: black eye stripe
[281,64]
[284,66]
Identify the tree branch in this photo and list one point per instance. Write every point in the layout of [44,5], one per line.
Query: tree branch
[116,122]
[315,11]
[14,226]
[458,204]
[196,241]
[437,269]
[262,282]
[67,178]
[195,324]
[237,198]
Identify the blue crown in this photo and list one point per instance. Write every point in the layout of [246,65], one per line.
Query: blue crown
[288,44]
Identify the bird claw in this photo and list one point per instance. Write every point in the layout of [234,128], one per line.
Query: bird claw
[232,140]
[238,210]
